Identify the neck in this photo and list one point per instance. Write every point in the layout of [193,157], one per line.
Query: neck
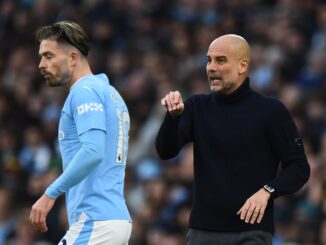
[81,70]
[240,92]
[236,85]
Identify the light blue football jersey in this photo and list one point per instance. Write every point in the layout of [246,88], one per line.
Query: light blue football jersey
[93,103]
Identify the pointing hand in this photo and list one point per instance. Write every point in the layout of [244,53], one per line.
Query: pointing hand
[173,103]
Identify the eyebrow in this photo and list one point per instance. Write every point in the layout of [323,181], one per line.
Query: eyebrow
[45,53]
[216,56]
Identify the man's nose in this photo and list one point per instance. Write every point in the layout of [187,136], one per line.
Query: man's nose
[41,64]
[211,66]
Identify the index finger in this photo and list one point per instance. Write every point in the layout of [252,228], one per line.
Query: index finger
[163,102]
[176,97]
[243,211]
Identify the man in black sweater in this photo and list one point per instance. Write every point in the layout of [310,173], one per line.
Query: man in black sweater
[240,136]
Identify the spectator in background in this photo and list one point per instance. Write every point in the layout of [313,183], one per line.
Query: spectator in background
[24,234]
[93,139]
[130,36]
[7,221]
[35,154]
[239,137]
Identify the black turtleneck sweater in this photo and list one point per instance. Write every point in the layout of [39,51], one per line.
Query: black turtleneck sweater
[239,141]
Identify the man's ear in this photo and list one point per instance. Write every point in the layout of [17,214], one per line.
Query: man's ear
[243,66]
[73,57]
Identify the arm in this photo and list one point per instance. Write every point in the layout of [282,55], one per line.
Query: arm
[287,146]
[175,130]
[87,158]
[167,145]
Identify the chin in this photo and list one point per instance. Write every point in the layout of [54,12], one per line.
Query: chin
[52,83]
[216,89]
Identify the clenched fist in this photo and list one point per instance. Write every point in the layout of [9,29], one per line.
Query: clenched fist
[173,103]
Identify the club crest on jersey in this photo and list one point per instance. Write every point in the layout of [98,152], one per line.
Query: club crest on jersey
[81,109]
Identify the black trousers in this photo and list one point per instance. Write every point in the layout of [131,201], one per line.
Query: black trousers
[200,237]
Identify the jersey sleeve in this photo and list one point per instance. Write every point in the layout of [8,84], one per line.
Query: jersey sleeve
[90,154]
[88,109]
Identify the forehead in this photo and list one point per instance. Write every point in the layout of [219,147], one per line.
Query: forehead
[220,48]
[49,45]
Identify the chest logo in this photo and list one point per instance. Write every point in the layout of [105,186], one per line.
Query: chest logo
[81,109]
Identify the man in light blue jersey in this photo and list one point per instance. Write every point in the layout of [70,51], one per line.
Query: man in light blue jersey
[93,140]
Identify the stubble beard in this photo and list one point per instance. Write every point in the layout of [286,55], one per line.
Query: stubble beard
[53,81]
[217,88]
[222,88]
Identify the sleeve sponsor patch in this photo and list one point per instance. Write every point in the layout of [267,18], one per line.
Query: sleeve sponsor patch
[86,107]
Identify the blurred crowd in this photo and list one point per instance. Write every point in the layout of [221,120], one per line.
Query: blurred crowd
[147,48]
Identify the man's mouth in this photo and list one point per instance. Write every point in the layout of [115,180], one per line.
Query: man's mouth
[215,79]
[45,75]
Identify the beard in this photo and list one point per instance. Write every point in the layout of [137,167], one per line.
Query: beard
[55,81]
[217,87]
[52,82]
[221,87]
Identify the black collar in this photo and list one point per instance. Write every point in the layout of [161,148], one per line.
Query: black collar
[236,95]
